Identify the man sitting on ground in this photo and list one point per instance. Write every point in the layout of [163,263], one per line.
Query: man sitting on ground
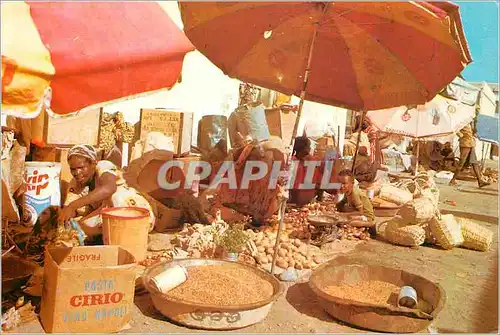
[355,200]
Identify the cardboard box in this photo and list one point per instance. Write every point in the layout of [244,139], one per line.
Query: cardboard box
[281,122]
[176,124]
[87,289]
[60,131]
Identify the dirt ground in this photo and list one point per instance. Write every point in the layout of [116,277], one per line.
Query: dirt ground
[470,279]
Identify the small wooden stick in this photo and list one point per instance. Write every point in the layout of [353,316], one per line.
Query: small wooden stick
[11,240]
[10,249]
[280,228]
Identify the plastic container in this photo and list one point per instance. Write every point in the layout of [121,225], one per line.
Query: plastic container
[43,189]
[127,227]
[169,279]
[407,297]
[232,256]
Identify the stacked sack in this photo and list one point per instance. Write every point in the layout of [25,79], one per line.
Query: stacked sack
[411,225]
[419,220]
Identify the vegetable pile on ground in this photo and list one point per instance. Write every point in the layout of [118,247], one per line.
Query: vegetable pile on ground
[490,175]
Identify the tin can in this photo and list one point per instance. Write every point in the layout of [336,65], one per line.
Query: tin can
[169,279]
[42,189]
[407,297]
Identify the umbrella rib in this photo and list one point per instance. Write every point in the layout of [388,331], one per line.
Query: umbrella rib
[260,41]
[334,23]
[392,53]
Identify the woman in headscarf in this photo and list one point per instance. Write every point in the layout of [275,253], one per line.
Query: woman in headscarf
[96,185]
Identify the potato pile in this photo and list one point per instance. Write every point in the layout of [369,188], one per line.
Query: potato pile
[292,252]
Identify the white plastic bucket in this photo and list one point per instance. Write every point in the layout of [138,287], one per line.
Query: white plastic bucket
[42,189]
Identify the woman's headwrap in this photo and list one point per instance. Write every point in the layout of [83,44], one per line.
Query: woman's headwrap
[84,150]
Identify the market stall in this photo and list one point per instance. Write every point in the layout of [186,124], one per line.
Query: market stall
[219,252]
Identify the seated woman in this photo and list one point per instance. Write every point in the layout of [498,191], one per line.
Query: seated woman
[436,162]
[365,170]
[356,201]
[302,154]
[96,185]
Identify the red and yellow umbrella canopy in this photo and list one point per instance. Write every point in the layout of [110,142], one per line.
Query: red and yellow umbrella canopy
[79,55]
[364,55]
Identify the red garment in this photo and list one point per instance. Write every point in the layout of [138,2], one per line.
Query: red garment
[372,133]
[302,171]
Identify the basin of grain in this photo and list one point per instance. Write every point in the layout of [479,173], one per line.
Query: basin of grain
[217,294]
[222,286]
[366,296]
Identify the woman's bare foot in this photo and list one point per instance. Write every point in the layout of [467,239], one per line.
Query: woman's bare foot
[452,182]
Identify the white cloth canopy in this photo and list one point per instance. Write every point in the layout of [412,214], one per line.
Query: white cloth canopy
[440,116]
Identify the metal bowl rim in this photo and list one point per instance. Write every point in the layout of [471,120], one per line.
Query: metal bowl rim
[322,294]
[277,287]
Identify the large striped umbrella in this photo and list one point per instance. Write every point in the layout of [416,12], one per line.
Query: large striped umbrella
[82,54]
[358,55]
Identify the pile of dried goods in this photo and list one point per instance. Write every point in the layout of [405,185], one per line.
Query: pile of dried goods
[369,292]
[114,129]
[226,285]
[199,240]
[490,175]
[21,313]
[157,258]
[297,225]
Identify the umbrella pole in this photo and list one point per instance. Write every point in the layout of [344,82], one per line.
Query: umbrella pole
[280,228]
[338,137]
[418,154]
[294,134]
[363,114]
[306,79]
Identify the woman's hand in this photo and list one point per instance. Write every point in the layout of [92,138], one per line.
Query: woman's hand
[66,213]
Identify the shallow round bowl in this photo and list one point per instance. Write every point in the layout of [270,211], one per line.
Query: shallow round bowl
[210,316]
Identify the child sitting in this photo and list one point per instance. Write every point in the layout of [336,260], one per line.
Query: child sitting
[355,200]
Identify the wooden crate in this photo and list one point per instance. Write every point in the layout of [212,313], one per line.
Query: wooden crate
[176,124]
[82,128]
[281,122]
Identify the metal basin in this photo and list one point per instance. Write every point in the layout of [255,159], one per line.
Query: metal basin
[372,317]
[210,316]
[325,220]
